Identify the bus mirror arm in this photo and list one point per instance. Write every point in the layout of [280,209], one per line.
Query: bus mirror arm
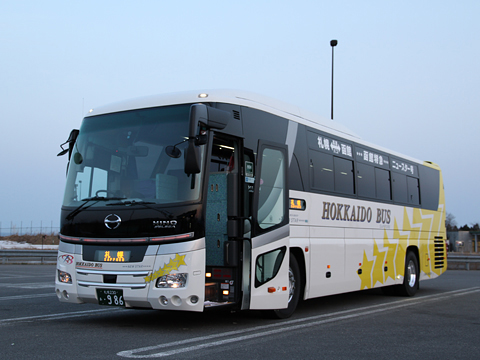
[218,119]
[212,118]
[72,138]
[239,227]
[209,117]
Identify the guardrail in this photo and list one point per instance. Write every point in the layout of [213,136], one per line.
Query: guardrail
[459,260]
[28,256]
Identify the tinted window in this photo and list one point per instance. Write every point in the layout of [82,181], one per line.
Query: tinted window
[365,180]
[123,155]
[267,265]
[413,191]
[399,183]
[382,183]
[344,181]
[271,206]
[430,184]
[321,171]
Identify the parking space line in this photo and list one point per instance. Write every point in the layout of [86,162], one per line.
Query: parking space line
[56,316]
[284,326]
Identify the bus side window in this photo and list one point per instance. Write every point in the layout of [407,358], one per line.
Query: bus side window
[267,265]
[366,180]
[399,188]
[413,190]
[382,184]
[271,206]
[344,179]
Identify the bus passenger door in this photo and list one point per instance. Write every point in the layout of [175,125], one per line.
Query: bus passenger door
[269,285]
[223,236]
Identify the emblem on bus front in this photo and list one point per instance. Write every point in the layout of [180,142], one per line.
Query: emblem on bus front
[112,221]
[164,224]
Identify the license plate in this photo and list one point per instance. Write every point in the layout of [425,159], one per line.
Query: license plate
[110,297]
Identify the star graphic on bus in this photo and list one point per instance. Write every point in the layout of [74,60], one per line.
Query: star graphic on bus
[172,265]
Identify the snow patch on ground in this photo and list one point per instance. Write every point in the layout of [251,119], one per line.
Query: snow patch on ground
[7,244]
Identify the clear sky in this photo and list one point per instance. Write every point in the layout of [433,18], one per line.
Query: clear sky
[407,76]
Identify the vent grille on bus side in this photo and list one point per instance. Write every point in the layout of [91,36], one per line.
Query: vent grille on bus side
[439,254]
[236,115]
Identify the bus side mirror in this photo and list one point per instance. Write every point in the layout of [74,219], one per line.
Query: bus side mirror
[70,141]
[192,158]
[206,118]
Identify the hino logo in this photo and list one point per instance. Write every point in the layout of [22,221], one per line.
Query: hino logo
[164,224]
[112,221]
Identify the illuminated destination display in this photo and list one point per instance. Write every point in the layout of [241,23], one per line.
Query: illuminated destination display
[297,204]
[112,255]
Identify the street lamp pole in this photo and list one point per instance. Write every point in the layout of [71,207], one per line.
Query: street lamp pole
[333,43]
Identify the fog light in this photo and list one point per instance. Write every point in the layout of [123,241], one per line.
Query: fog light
[194,299]
[176,300]
[64,277]
[174,281]
[65,294]
[163,300]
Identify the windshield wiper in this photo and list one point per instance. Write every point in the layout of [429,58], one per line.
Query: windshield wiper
[130,202]
[82,207]
[146,204]
[102,198]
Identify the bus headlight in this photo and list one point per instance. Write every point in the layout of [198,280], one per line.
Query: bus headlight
[172,281]
[64,277]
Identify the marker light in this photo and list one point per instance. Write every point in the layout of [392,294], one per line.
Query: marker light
[208,275]
[202,95]
[163,300]
[64,277]
[225,292]
[172,281]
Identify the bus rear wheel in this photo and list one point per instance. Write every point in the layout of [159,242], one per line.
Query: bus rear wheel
[294,287]
[412,276]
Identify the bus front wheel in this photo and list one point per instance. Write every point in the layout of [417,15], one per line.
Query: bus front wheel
[294,286]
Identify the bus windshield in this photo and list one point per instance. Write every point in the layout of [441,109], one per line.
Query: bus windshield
[121,158]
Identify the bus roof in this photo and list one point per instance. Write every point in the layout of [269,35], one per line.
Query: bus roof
[242,98]
[237,97]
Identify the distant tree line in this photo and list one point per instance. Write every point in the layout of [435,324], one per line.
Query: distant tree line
[451,224]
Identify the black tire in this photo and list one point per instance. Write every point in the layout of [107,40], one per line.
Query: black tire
[295,286]
[411,277]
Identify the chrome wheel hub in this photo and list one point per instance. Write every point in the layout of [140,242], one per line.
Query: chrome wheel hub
[411,274]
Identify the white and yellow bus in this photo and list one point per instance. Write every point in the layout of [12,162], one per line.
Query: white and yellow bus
[190,201]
